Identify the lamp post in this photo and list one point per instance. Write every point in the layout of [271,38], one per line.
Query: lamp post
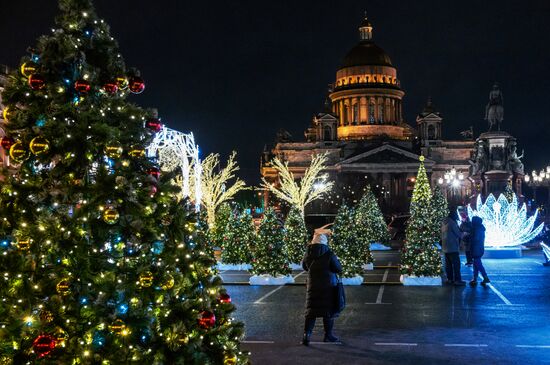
[452,181]
[539,180]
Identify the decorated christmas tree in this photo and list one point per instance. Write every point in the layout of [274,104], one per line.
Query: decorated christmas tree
[345,245]
[509,192]
[101,264]
[370,225]
[238,240]
[419,256]
[439,206]
[296,238]
[217,232]
[269,253]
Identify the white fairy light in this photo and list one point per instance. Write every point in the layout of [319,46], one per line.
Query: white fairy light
[505,223]
[178,150]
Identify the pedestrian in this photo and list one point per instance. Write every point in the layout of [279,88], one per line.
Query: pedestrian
[466,228]
[478,249]
[322,266]
[450,245]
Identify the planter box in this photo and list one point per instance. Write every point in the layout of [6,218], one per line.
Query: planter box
[238,267]
[266,279]
[368,267]
[356,280]
[379,247]
[296,266]
[421,280]
[502,253]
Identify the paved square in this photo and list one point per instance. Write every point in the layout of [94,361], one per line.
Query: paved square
[506,323]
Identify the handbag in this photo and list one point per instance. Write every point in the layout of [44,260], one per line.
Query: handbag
[340,300]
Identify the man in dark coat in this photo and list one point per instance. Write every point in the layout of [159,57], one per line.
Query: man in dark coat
[477,245]
[322,266]
[450,245]
[466,228]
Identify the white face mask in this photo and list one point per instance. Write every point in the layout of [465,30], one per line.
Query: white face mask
[323,239]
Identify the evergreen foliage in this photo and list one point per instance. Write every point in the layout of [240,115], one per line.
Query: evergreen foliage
[238,240]
[218,231]
[370,224]
[296,237]
[509,192]
[419,256]
[345,244]
[269,253]
[440,207]
[101,264]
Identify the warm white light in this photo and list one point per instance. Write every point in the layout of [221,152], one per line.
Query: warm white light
[455,183]
[506,224]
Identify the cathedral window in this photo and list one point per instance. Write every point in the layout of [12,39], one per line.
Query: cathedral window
[381,113]
[355,113]
[371,112]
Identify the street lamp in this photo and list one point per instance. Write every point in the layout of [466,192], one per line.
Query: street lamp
[452,180]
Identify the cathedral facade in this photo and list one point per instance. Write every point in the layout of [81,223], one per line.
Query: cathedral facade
[368,141]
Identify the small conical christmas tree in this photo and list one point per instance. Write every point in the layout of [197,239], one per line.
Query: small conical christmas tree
[101,263]
[344,243]
[509,192]
[370,225]
[440,207]
[419,256]
[238,240]
[218,231]
[295,236]
[269,253]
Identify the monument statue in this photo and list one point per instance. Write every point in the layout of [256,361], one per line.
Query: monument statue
[494,111]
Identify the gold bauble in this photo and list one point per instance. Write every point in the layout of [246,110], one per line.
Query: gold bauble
[24,244]
[146,279]
[122,82]
[168,282]
[117,326]
[230,359]
[110,215]
[39,145]
[135,302]
[63,287]
[46,316]
[29,68]
[137,151]
[60,337]
[18,152]
[6,114]
[113,150]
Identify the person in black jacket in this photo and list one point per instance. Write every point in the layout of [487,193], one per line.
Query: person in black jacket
[322,266]
[477,246]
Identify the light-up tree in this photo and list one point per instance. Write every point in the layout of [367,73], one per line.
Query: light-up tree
[100,263]
[219,185]
[310,187]
[370,225]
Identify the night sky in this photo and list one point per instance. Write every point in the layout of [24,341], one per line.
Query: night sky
[234,72]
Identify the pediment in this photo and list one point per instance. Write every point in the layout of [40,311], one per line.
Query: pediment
[385,154]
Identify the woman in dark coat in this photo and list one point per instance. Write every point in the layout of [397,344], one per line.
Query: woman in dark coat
[322,266]
[477,246]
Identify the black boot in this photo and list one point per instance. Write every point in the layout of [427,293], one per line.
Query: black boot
[306,339]
[485,282]
[329,324]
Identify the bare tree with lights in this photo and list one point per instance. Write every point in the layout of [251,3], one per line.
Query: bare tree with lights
[310,187]
[216,184]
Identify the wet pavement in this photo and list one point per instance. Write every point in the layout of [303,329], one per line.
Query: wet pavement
[505,323]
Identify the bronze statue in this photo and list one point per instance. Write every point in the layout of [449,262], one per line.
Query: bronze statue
[494,111]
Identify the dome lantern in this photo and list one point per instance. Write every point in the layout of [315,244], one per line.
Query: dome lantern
[365,30]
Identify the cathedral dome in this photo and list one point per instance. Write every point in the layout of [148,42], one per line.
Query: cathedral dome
[366,53]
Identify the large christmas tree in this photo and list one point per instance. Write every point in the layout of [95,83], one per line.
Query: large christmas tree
[295,236]
[100,263]
[269,253]
[440,207]
[345,244]
[370,225]
[217,232]
[238,240]
[419,256]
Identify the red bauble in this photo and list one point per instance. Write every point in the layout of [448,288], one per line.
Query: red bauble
[43,345]
[82,86]
[110,87]
[225,298]
[153,125]
[37,82]
[136,85]
[153,189]
[207,319]
[154,171]
[7,142]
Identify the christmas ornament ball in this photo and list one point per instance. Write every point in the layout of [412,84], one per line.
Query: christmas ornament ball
[29,68]
[82,86]
[207,319]
[110,87]
[24,244]
[18,152]
[63,287]
[146,279]
[117,326]
[154,125]
[225,298]
[137,151]
[122,82]
[37,82]
[154,171]
[168,282]
[110,215]
[46,316]
[6,114]
[113,150]
[39,145]
[43,345]
[136,85]
[230,359]
[60,336]
[7,142]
